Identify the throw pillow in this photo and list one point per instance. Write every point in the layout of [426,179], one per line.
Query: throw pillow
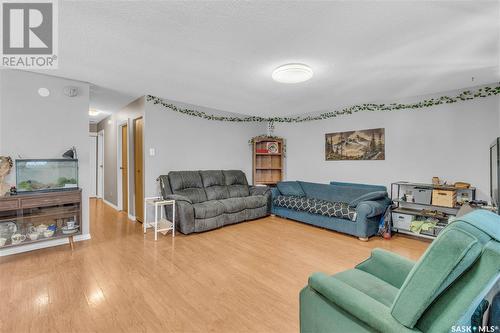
[291,189]
[377,195]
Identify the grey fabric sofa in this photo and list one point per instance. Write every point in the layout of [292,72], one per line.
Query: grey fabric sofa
[210,199]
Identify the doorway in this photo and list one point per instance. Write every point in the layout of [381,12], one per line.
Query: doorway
[138,169]
[124,166]
[100,164]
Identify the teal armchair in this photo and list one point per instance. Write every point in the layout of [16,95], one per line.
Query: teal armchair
[389,293]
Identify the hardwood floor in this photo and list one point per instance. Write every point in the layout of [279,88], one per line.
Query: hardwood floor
[241,278]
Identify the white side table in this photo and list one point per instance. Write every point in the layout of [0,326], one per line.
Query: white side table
[160,223]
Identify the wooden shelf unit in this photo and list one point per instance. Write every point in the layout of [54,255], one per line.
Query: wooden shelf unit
[27,210]
[267,167]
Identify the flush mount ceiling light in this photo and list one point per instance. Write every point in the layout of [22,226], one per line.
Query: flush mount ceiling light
[44,92]
[292,73]
[93,112]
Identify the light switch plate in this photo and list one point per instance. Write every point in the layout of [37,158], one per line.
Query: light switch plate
[152,152]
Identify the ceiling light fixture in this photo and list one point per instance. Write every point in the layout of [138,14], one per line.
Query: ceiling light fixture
[93,112]
[44,92]
[292,73]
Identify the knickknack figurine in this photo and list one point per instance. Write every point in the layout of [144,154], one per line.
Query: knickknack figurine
[5,166]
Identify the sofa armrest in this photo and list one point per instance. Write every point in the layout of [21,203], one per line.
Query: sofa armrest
[184,219]
[387,266]
[369,209]
[259,190]
[265,191]
[275,192]
[356,303]
[178,197]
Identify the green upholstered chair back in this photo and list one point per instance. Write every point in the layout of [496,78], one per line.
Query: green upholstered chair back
[457,251]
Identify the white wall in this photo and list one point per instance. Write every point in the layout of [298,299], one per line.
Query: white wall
[36,127]
[184,142]
[450,141]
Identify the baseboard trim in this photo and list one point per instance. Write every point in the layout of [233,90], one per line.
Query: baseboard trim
[42,245]
[110,204]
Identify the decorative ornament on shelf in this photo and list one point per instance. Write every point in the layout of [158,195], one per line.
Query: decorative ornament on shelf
[465,95]
[272,147]
[5,167]
[269,148]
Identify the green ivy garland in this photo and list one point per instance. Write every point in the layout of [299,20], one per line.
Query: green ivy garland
[463,96]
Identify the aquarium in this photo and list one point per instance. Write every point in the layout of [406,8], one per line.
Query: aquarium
[46,175]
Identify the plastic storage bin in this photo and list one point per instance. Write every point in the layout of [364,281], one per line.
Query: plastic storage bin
[401,221]
[419,195]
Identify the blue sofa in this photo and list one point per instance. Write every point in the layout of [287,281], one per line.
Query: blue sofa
[354,209]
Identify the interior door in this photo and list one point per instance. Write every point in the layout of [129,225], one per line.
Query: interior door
[100,164]
[93,165]
[138,166]
[124,167]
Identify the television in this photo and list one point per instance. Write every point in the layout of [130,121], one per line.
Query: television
[494,171]
[42,175]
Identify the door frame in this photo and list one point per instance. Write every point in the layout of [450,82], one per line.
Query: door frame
[134,167]
[119,181]
[100,170]
[93,182]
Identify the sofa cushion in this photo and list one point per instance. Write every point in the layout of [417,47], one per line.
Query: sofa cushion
[324,192]
[370,196]
[207,209]
[236,182]
[351,191]
[255,201]
[367,187]
[233,205]
[214,183]
[291,188]
[331,209]
[451,254]
[188,184]
[180,180]
[369,285]
[238,191]
[212,177]
[193,194]
[217,192]
[255,213]
[337,192]
[295,203]
[317,206]
[210,223]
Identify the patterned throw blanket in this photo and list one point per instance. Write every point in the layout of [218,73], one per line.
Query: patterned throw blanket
[317,206]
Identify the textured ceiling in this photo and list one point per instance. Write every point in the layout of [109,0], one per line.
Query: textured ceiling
[221,54]
[106,101]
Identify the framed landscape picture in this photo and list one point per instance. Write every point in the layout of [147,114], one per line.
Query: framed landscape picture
[366,144]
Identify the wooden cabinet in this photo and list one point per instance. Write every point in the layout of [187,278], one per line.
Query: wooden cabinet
[267,160]
[37,217]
